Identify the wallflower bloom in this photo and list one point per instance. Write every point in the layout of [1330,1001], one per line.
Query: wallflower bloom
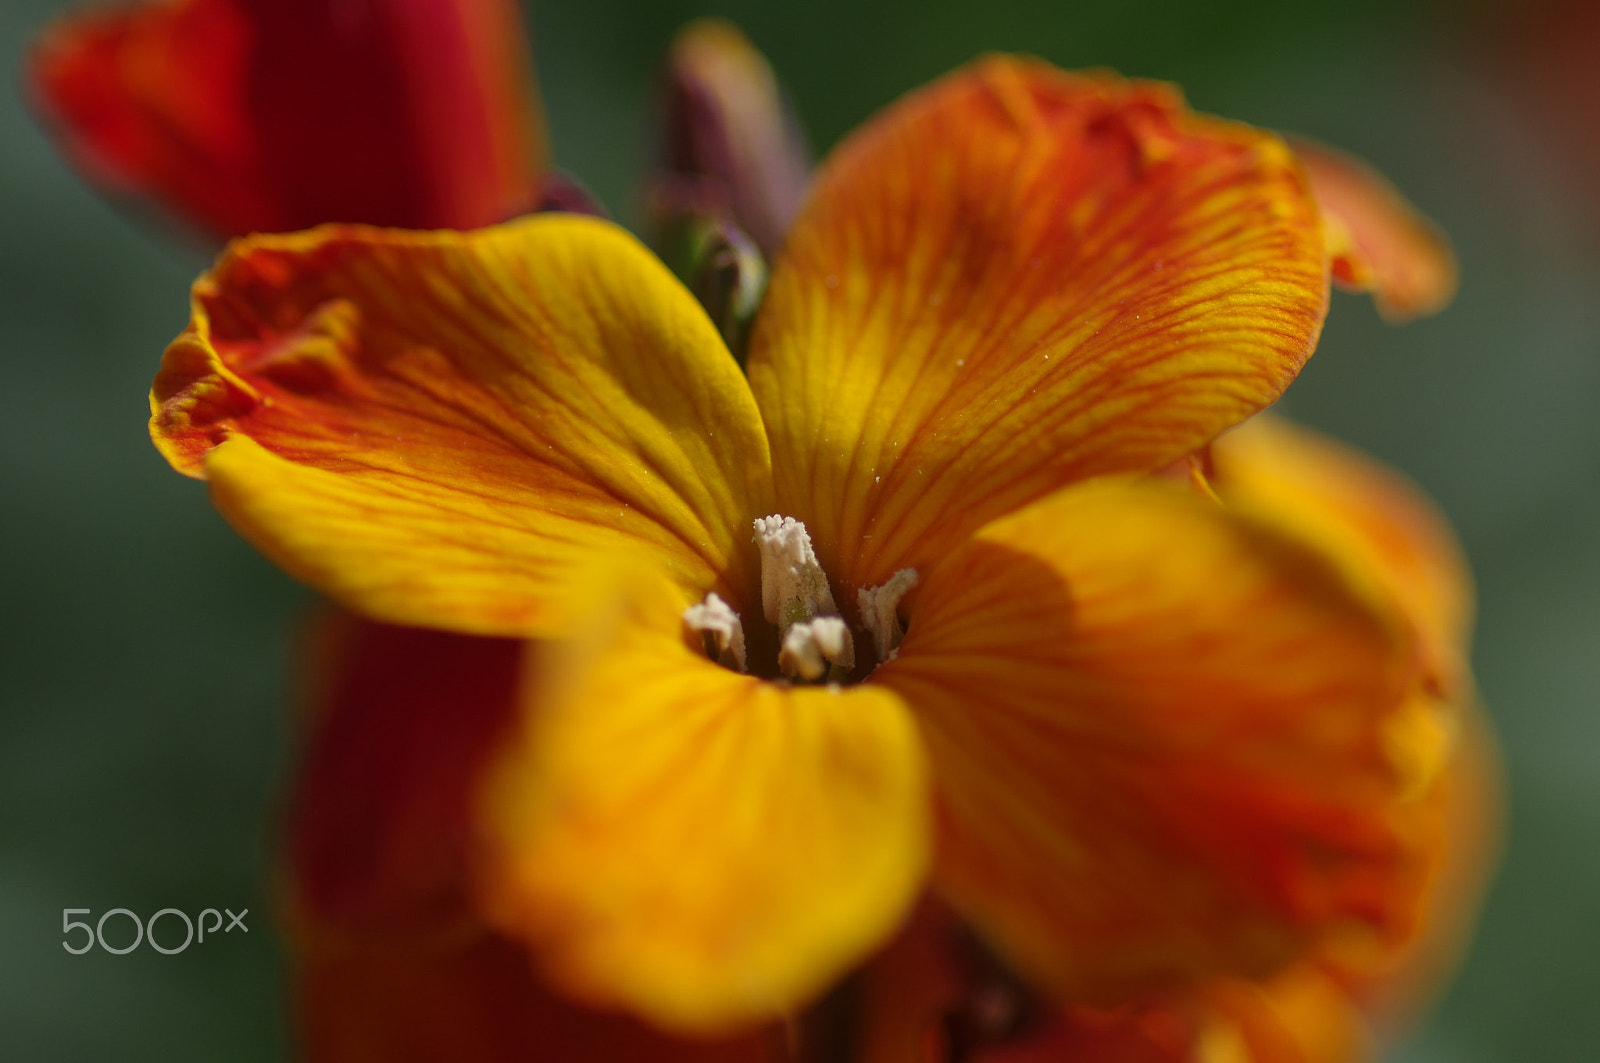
[410,717]
[392,960]
[1135,737]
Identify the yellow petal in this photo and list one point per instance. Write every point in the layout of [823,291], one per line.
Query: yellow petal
[433,427]
[1158,737]
[1016,278]
[699,846]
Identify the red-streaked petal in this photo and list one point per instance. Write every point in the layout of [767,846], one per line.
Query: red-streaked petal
[932,987]
[433,427]
[271,115]
[1014,279]
[1379,242]
[702,847]
[1159,737]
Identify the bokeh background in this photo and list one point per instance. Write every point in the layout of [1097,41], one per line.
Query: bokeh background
[144,736]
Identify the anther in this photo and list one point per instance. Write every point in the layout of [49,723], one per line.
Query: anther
[817,649]
[719,624]
[880,612]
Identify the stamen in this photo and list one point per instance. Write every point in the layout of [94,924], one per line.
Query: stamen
[793,585]
[716,619]
[796,597]
[816,649]
[880,612]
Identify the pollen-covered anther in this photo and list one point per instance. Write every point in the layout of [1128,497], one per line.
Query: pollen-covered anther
[793,585]
[714,620]
[880,611]
[817,649]
[814,641]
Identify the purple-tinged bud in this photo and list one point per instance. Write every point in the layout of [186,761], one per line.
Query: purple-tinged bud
[732,148]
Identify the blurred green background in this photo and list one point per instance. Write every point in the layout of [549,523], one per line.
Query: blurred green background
[143,737]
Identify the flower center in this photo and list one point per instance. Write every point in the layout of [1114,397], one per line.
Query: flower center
[814,640]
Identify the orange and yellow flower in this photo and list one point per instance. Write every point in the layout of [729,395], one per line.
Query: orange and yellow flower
[1135,737]
[395,960]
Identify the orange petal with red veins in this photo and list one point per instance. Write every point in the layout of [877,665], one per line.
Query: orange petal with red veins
[434,428]
[270,115]
[1328,1007]
[1368,517]
[464,994]
[1158,733]
[1016,278]
[701,847]
[1379,242]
